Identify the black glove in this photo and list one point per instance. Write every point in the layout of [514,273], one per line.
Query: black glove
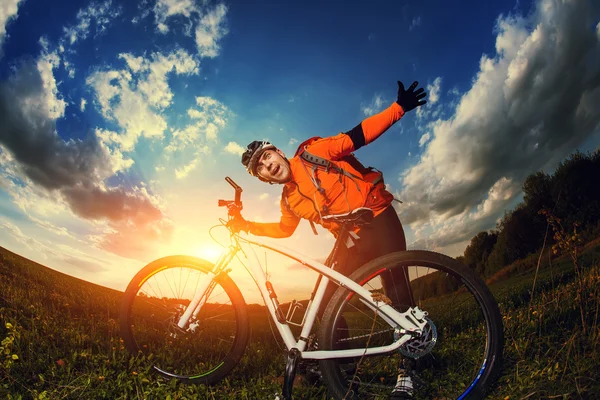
[409,99]
[238,223]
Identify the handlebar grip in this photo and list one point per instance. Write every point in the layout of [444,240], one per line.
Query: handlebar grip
[238,190]
[232,183]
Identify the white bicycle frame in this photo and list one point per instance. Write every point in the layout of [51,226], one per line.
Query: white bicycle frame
[406,324]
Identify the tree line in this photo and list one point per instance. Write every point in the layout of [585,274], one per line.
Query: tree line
[571,194]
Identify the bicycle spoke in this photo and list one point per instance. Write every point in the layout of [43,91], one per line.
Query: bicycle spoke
[450,354]
[208,337]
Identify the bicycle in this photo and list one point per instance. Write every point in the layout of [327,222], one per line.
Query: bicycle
[198,331]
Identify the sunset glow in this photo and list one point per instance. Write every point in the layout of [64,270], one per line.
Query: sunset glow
[121,120]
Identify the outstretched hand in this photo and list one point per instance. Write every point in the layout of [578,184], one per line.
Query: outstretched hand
[409,99]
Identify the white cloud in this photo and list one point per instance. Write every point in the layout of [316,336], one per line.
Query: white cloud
[211,115]
[183,138]
[181,173]
[27,197]
[56,174]
[528,108]
[189,158]
[97,14]
[57,230]
[144,9]
[8,12]
[111,143]
[442,231]
[127,106]
[416,21]
[211,131]
[433,96]
[135,64]
[82,104]
[26,240]
[210,22]
[292,141]
[424,139]
[433,91]
[135,97]
[155,86]
[211,29]
[264,196]
[497,198]
[234,148]
[454,91]
[169,8]
[50,101]
[376,105]
[188,145]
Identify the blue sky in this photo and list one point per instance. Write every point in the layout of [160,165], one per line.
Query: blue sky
[121,119]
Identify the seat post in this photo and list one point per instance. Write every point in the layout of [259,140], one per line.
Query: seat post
[339,241]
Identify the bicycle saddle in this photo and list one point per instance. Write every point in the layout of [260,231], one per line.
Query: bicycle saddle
[359,216]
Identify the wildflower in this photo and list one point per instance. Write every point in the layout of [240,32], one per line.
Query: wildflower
[60,362]
[100,378]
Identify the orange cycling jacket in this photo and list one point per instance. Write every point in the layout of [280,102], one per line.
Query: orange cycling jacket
[301,197]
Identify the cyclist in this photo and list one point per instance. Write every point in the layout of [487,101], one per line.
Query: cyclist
[316,193]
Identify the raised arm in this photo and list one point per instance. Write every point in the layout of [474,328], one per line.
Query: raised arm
[371,128]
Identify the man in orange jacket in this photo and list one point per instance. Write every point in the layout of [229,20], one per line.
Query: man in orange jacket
[313,194]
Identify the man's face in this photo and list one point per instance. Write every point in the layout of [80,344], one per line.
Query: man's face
[273,167]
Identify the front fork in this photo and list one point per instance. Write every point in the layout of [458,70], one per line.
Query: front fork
[205,287]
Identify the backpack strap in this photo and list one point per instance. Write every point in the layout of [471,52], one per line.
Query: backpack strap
[325,163]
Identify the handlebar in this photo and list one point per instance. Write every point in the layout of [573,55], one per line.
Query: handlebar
[234,206]
[238,190]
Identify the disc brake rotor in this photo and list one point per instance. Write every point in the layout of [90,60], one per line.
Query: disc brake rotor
[422,344]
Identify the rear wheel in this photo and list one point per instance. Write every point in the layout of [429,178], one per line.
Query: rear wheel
[211,343]
[457,356]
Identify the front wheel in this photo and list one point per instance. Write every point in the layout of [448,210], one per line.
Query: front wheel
[457,356]
[212,342]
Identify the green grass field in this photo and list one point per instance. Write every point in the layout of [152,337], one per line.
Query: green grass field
[60,340]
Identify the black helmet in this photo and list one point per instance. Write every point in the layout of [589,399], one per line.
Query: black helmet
[252,154]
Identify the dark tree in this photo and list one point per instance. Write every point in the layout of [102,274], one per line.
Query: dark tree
[478,251]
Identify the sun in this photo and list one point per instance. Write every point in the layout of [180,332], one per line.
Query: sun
[209,252]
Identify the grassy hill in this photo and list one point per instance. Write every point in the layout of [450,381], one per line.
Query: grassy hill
[60,339]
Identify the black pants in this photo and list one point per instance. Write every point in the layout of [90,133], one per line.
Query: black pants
[381,236]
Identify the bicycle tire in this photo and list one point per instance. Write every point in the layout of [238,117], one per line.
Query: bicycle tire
[139,339]
[341,307]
